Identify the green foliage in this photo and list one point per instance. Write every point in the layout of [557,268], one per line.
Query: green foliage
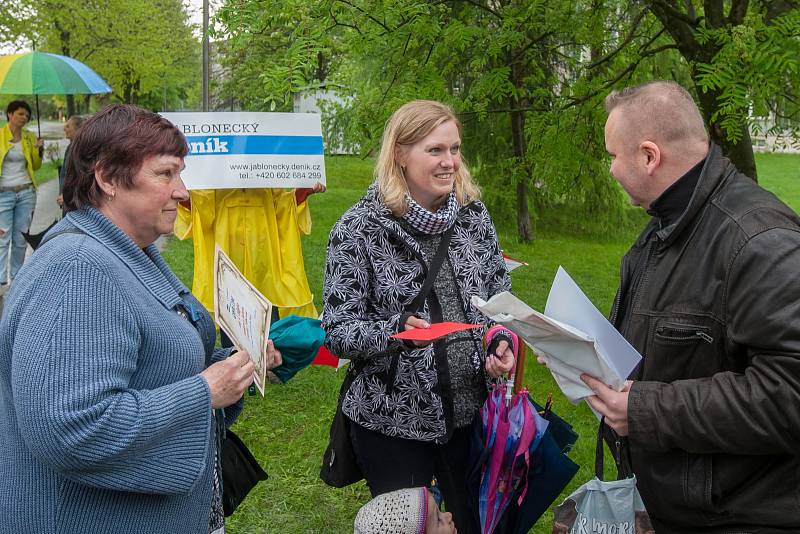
[144,49]
[755,64]
[271,51]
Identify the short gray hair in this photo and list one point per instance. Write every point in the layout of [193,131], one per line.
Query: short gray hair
[661,109]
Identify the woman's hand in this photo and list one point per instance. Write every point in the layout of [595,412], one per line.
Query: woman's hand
[500,361]
[415,322]
[274,358]
[229,379]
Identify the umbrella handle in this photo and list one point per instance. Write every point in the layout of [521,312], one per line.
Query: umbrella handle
[38,121]
[519,371]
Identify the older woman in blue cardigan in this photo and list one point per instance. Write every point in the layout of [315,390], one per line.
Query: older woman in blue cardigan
[109,379]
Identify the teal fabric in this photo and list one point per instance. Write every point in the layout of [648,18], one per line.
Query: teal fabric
[298,339]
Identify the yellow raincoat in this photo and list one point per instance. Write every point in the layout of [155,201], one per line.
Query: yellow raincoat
[260,230]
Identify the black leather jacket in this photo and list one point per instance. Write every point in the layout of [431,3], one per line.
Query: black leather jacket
[712,302]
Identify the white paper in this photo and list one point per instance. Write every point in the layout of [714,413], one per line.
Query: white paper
[243,313]
[573,343]
[567,303]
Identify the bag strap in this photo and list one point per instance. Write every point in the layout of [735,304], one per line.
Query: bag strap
[436,313]
[60,232]
[621,455]
[433,270]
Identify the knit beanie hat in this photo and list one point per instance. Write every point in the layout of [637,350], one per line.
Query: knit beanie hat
[402,511]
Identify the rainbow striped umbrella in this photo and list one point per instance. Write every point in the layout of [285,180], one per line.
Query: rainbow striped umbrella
[40,73]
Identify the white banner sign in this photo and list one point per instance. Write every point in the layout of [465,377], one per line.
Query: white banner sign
[232,150]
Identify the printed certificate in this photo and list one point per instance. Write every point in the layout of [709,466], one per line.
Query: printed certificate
[242,312]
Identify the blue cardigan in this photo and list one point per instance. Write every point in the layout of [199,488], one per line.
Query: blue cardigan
[106,425]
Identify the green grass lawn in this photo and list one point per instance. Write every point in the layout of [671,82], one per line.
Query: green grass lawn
[287,429]
[48,171]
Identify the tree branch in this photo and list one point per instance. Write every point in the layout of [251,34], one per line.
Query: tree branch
[738,11]
[628,38]
[715,17]
[680,28]
[483,7]
[675,13]
[528,46]
[627,70]
[370,17]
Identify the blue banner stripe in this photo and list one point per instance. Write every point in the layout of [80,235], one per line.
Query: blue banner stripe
[299,145]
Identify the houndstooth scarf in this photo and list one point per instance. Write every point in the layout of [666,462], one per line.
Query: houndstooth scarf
[427,222]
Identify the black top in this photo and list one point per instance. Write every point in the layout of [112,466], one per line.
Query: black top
[673,202]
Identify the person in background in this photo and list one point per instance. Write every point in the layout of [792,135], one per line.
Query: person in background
[404,511]
[709,297]
[260,230]
[114,396]
[411,405]
[20,155]
[71,128]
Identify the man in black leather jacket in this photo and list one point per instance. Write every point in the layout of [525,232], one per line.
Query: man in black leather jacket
[709,296]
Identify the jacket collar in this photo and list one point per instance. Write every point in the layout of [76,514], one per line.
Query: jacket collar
[146,264]
[715,170]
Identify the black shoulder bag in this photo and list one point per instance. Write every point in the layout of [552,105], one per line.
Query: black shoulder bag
[339,464]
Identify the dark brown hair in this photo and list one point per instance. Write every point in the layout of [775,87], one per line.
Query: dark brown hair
[14,105]
[116,140]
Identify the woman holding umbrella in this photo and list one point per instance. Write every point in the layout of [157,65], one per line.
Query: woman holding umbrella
[20,156]
[411,406]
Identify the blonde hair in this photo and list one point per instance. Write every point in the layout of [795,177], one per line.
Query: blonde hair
[412,122]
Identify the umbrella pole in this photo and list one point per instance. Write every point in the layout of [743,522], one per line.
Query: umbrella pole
[38,123]
[519,373]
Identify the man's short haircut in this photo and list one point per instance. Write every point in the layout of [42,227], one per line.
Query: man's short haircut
[14,105]
[660,110]
[116,140]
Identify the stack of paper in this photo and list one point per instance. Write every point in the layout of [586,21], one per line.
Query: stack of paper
[572,336]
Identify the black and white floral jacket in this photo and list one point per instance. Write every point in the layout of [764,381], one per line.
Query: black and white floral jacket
[374,270]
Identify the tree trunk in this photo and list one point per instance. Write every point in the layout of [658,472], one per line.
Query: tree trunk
[518,137]
[70,105]
[741,152]
[520,149]
[64,35]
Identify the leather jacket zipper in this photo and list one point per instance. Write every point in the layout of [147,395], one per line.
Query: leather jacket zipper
[687,333]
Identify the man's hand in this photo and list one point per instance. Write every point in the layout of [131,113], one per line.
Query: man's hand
[610,403]
[501,361]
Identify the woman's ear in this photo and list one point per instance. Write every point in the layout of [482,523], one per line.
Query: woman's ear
[400,155]
[105,184]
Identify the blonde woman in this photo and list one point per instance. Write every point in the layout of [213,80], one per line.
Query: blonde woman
[411,405]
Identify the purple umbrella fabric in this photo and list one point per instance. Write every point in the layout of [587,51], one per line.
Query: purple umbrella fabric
[512,429]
